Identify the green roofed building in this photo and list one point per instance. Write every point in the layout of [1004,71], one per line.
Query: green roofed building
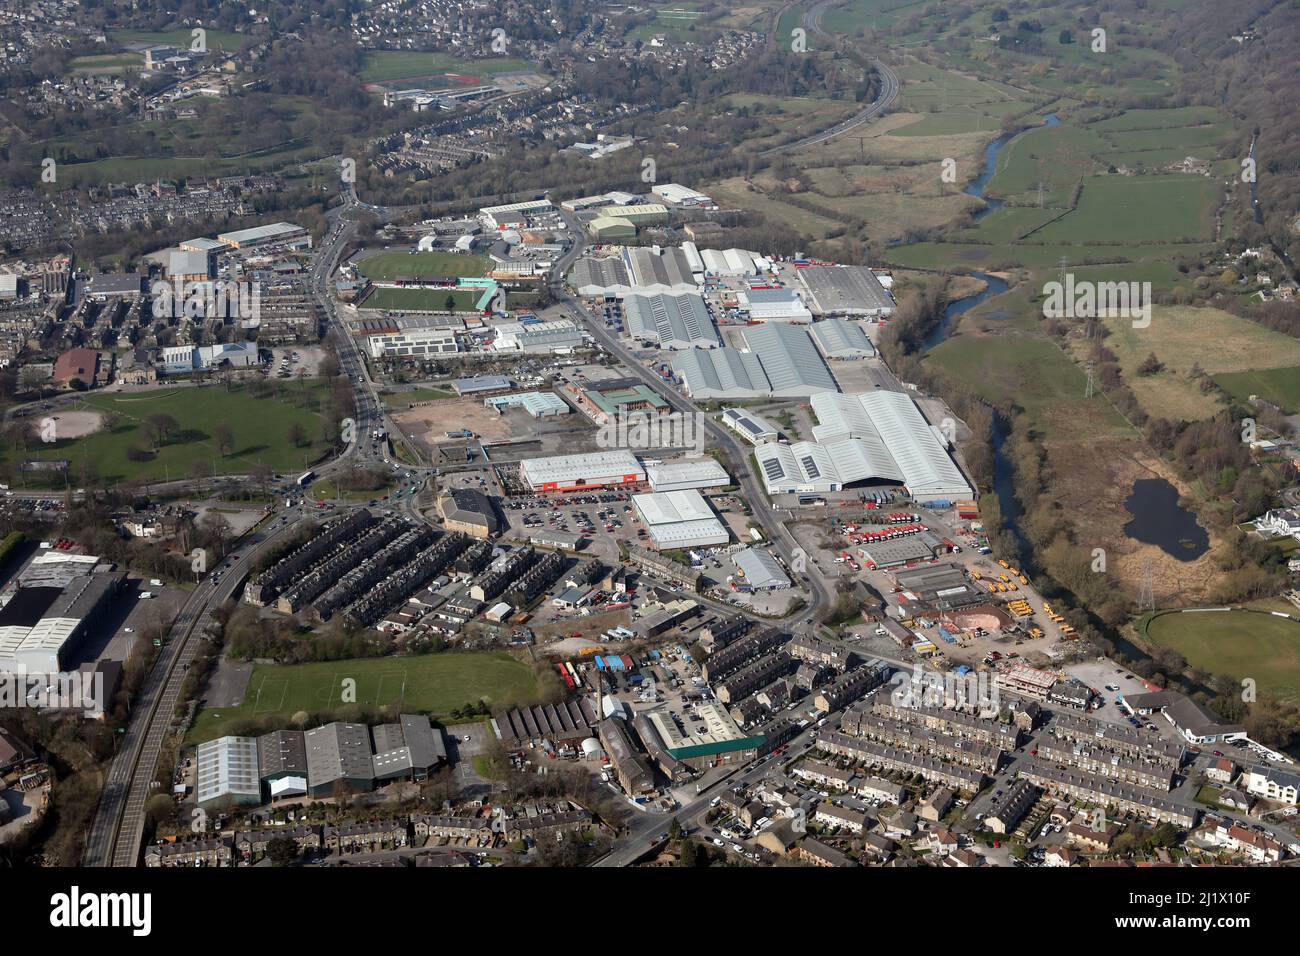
[607,228]
[622,401]
[720,742]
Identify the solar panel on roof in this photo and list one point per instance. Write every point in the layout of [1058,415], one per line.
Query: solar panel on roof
[810,467]
[773,469]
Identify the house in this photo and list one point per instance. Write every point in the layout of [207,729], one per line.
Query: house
[1243,841]
[251,844]
[1279,522]
[937,806]
[1232,799]
[963,859]
[819,854]
[1008,809]
[878,845]
[781,837]
[76,365]
[473,830]
[1272,784]
[824,774]
[367,837]
[206,851]
[1093,840]
[1222,770]
[902,824]
[1060,856]
[940,841]
[843,818]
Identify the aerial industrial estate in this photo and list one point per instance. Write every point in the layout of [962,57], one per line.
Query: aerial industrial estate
[493,462]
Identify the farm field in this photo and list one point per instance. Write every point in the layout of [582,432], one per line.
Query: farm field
[1139,209]
[1278,385]
[391,264]
[1237,644]
[430,683]
[260,426]
[1182,337]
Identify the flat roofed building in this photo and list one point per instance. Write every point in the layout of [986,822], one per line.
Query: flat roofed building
[414,343]
[680,519]
[496,217]
[608,469]
[190,266]
[720,741]
[841,339]
[115,285]
[226,773]
[260,235]
[773,305]
[698,474]
[680,321]
[753,428]
[680,195]
[339,754]
[845,290]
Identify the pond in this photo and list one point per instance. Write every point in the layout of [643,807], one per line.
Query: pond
[1158,519]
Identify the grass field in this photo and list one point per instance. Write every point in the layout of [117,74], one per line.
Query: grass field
[106,63]
[432,683]
[1237,644]
[383,65]
[1279,385]
[260,426]
[1138,209]
[1218,341]
[404,399]
[390,265]
[181,38]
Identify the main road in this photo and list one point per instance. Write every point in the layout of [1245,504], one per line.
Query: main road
[753,494]
[118,826]
[888,93]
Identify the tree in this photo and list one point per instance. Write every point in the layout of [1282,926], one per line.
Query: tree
[450,302]
[281,850]
[160,427]
[223,439]
[297,434]
[1150,365]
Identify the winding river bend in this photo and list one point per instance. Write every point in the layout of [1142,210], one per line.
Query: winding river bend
[1003,472]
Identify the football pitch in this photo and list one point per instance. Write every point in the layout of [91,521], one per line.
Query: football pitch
[434,684]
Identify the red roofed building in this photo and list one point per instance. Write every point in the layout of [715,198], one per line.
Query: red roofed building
[76,363]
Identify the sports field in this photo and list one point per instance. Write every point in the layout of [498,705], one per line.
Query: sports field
[422,300]
[383,65]
[260,427]
[1239,644]
[390,265]
[434,684]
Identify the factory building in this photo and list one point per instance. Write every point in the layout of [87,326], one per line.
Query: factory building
[42,627]
[679,321]
[753,428]
[700,474]
[773,305]
[845,290]
[278,232]
[679,519]
[659,270]
[607,469]
[227,773]
[841,339]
